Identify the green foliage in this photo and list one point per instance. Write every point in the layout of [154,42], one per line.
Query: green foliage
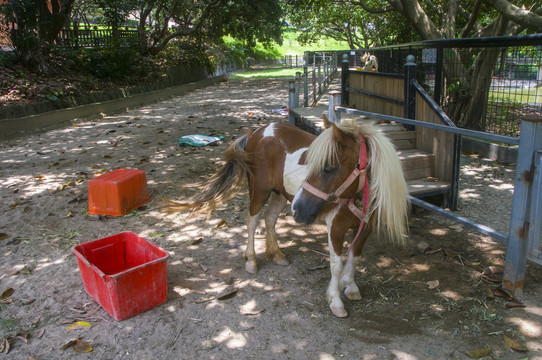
[112,62]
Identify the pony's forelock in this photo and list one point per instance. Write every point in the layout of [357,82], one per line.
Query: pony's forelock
[322,151]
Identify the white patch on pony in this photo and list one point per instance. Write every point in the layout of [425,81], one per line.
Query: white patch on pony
[294,174]
[269,131]
[336,266]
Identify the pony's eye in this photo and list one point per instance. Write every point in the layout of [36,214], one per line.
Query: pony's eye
[329,169]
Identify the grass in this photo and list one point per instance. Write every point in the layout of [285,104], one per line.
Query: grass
[290,45]
[533,96]
[273,72]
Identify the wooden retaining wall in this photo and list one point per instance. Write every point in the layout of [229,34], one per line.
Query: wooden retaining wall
[439,143]
[378,93]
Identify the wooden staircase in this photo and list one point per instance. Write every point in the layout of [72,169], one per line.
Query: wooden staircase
[418,166]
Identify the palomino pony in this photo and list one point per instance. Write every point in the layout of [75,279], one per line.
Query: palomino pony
[350,177]
[370,63]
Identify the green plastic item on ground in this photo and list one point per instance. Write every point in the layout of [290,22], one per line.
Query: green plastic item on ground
[199,140]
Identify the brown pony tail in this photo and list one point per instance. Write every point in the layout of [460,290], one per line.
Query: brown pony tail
[222,186]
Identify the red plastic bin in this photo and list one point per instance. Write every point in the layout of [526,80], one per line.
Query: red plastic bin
[118,192]
[124,273]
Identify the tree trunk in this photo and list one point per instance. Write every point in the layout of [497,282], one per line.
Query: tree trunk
[467,101]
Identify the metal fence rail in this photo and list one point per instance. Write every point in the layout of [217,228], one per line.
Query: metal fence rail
[312,82]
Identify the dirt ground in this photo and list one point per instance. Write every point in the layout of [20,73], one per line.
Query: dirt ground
[433,299]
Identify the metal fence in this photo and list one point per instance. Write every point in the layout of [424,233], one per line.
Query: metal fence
[510,82]
[86,38]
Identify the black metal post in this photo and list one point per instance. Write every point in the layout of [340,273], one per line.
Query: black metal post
[438,76]
[344,79]
[410,91]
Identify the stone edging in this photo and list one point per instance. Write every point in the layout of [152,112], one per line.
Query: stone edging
[507,154]
[14,127]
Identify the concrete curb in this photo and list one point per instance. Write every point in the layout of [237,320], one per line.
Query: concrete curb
[10,128]
[507,154]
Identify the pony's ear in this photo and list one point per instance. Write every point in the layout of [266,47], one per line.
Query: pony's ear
[327,123]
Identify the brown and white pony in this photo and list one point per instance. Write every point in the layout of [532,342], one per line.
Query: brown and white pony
[347,177]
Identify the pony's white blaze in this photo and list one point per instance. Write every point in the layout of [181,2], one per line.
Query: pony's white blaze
[294,174]
[269,131]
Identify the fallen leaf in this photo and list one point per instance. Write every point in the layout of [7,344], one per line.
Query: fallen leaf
[68,344]
[82,347]
[7,293]
[78,325]
[205,299]
[489,293]
[6,345]
[70,214]
[222,223]
[514,304]
[227,295]
[478,353]
[503,293]
[23,337]
[196,242]
[430,252]
[14,204]
[515,345]
[3,236]
[252,312]
[433,284]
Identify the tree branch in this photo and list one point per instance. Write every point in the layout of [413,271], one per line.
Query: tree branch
[518,15]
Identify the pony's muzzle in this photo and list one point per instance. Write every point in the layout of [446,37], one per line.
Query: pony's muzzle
[305,209]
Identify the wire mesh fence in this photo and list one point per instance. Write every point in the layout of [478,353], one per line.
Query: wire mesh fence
[485,84]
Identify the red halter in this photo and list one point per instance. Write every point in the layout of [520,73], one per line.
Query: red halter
[334,197]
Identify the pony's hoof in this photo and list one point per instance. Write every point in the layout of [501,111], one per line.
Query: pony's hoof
[251,267]
[352,293]
[338,311]
[281,260]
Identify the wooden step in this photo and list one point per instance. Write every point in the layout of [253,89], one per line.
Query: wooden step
[427,186]
[417,164]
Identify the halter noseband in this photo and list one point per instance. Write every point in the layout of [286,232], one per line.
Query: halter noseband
[360,171]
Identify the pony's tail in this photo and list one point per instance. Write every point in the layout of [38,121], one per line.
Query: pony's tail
[389,192]
[222,186]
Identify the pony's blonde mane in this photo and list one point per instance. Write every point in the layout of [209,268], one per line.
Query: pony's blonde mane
[388,192]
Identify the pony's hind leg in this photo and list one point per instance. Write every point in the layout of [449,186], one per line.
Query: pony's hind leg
[274,207]
[250,254]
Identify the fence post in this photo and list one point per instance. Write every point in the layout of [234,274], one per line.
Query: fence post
[76,33]
[410,92]
[530,141]
[344,79]
[334,100]
[297,87]
[291,101]
[314,95]
[305,87]
[438,76]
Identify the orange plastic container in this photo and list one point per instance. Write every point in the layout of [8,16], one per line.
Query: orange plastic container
[124,273]
[117,192]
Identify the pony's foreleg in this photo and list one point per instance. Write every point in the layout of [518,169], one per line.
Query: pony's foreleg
[351,290]
[250,254]
[335,240]
[274,207]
